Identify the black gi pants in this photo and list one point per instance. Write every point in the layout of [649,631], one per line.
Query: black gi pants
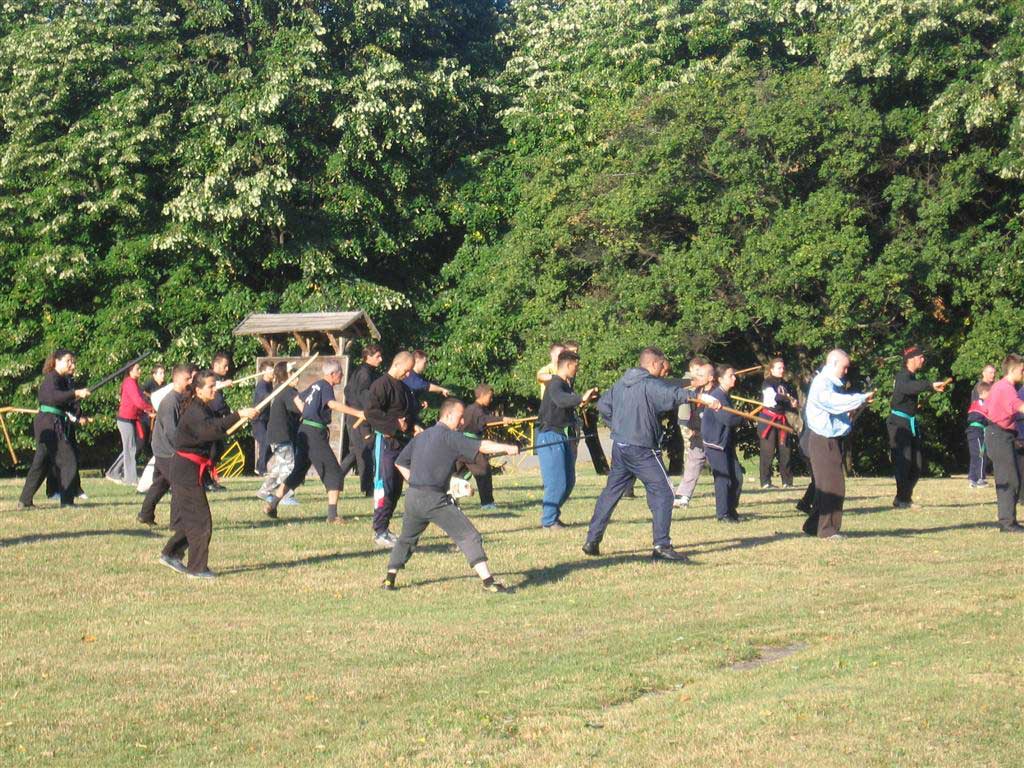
[313,449]
[161,485]
[387,486]
[190,515]
[1008,468]
[360,455]
[725,468]
[259,433]
[777,442]
[907,456]
[53,451]
[826,455]
[424,506]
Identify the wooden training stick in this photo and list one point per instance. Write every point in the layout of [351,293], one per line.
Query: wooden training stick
[242,422]
[751,369]
[250,377]
[14,409]
[948,381]
[750,417]
[523,420]
[746,400]
[7,437]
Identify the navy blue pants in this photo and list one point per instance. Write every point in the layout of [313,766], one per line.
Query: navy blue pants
[629,463]
[726,470]
[976,447]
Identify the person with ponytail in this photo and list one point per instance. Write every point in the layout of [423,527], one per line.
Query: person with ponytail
[192,465]
[58,408]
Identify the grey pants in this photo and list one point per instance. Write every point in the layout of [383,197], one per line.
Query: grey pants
[693,463]
[424,506]
[281,465]
[124,468]
[1008,468]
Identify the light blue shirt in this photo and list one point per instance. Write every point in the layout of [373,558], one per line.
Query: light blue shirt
[828,407]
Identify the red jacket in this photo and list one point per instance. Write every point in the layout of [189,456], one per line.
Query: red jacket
[132,401]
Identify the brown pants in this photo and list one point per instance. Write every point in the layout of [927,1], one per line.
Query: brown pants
[829,484]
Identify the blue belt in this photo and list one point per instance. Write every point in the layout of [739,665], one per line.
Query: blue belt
[908,417]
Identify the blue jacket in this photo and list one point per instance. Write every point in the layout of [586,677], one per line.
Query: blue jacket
[716,426]
[634,405]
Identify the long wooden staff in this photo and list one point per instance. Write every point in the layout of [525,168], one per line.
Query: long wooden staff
[263,403]
[745,400]
[7,437]
[948,381]
[15,409]
[233,382]
[750,417]
[751,369]
[118,372]
[523,420]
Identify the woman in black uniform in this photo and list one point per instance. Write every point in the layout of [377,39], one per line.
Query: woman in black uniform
[199,428]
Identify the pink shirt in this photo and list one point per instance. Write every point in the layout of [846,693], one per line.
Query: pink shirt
[1003,404]
[132,401]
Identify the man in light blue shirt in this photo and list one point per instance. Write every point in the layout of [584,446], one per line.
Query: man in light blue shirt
[829,418]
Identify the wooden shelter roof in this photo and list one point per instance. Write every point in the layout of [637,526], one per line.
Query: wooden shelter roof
[307,328]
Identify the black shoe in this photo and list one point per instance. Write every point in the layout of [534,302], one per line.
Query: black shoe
[592,548]
[494,586]
[805,508]
[388,586]
[555,526]
[144,521]
[207,575]
[669,553]
[270,509]
[728,519]
[30,505]
[899,504]
[173,563]
[215,488]
[1012,528]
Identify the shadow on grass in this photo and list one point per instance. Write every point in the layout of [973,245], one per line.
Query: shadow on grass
[35,538]
[333,557]
[542,576]
[906,532]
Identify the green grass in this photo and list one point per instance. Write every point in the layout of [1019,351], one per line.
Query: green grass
[909,638]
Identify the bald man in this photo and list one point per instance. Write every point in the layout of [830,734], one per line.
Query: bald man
[392,413]
[829,419]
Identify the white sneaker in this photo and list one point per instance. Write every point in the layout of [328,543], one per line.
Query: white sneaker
[680,501]
[385,540]
[289,501]
[55,497]
[82,496]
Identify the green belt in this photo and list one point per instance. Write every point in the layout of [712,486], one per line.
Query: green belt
[53,411]
[977,424]
[908,417]
[314,424]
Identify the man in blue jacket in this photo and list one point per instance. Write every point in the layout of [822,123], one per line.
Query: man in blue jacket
[633,408]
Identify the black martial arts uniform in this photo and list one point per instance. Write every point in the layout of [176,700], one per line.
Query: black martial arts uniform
[474,421]
[165,431]
[717,431]
[387,401]
[778,401]
[54,446]
[905,442]
[259,425]
[313,440]
[198,429]
[360,439]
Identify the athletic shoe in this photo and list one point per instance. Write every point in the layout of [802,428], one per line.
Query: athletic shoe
[207,575]
[334,520]
[681,501]
[766,486]
[488,506]
[1012,528]
[388,586]
[215,487]
[289,501]
[787,486]
[385,540]
[835,537]
[269,510]
[173,563]
[82,496]
[592,548]
[727,519]
[555,526]
[144,521]
[495,586]
[263,496]
[669,553]
[897,504]
[25,506]
[55,497]
[981,484]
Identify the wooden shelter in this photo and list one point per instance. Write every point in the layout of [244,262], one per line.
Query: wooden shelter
[335,330]
[330,333]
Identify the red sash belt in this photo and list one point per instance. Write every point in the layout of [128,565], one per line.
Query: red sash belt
[774,418]
[204,463]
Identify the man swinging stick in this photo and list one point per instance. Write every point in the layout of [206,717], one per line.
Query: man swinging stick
[427,463]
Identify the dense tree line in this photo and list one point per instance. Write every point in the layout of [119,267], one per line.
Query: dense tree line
[736,178]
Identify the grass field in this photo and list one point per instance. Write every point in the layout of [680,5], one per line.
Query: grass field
[901,646]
